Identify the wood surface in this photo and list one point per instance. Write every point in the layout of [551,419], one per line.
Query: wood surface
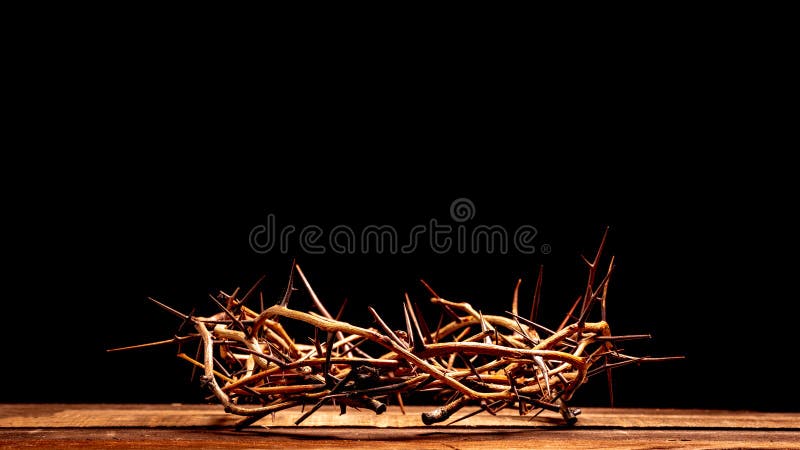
[207,426]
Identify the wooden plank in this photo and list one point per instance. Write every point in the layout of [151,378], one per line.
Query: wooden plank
[393,438]
[186,416]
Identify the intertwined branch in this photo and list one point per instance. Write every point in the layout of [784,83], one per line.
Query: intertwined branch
[254,367]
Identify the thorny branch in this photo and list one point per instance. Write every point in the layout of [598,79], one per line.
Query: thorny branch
[253,367]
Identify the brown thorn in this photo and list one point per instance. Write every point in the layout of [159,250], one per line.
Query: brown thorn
[419,338]
[587,298]
[569,314]
[229,313]
[429,288]
[341,309]
[624,337]
[422,324]
[269,358]
[484,327]
[176,339]
[169,309]
[194,366]
[335,389]
[438,327]
[290,287]
[316,342]
[469,365]
[446,308]
[522,332]
[537,295]
[222,367]
[571,342]
[317,303]
[593,296]
[605,290]
[251,290]
[314,298]
[409,331]
[232,298]
[326,368]
[386,328]
[400,403]
[515,297]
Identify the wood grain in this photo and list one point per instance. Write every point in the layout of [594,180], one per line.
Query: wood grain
[207,426]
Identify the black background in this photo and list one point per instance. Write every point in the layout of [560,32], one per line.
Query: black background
[699,253]
[140,169]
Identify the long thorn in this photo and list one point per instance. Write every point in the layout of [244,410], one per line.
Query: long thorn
[515,297]
[409,332]
[169,308]
[251,290]
[569,314]
[446,308]
[386,328]
[290,287]
[537,295]
[229,313]
[419,338]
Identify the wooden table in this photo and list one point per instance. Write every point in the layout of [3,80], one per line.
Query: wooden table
[207,426]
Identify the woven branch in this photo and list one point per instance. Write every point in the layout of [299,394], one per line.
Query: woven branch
[253,367]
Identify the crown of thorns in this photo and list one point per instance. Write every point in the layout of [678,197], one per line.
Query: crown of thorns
[254,368]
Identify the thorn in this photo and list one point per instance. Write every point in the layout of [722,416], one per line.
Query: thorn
[229,314]
[335,389]
[537,295]
[624,337]
[194,367]
[316,342]
[269,358]
[341,310]
[429,288]
[513,384]
[569,314]
[169,309]
[588,297]
[522,332]
[605,290]
[400,403]
[542,327]
[438,327]
[422,324]
[290,286]
[252,289]
[484,328]
[409,333]
[386,328]
[543,367]
[515,297]
[311,292]
[418,341]
[232,298]
[185,321]
[471,367]
[446,308]
[176,339]
[467,416]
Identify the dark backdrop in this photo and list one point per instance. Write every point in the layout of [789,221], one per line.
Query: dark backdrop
[125,183]
[698,266]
